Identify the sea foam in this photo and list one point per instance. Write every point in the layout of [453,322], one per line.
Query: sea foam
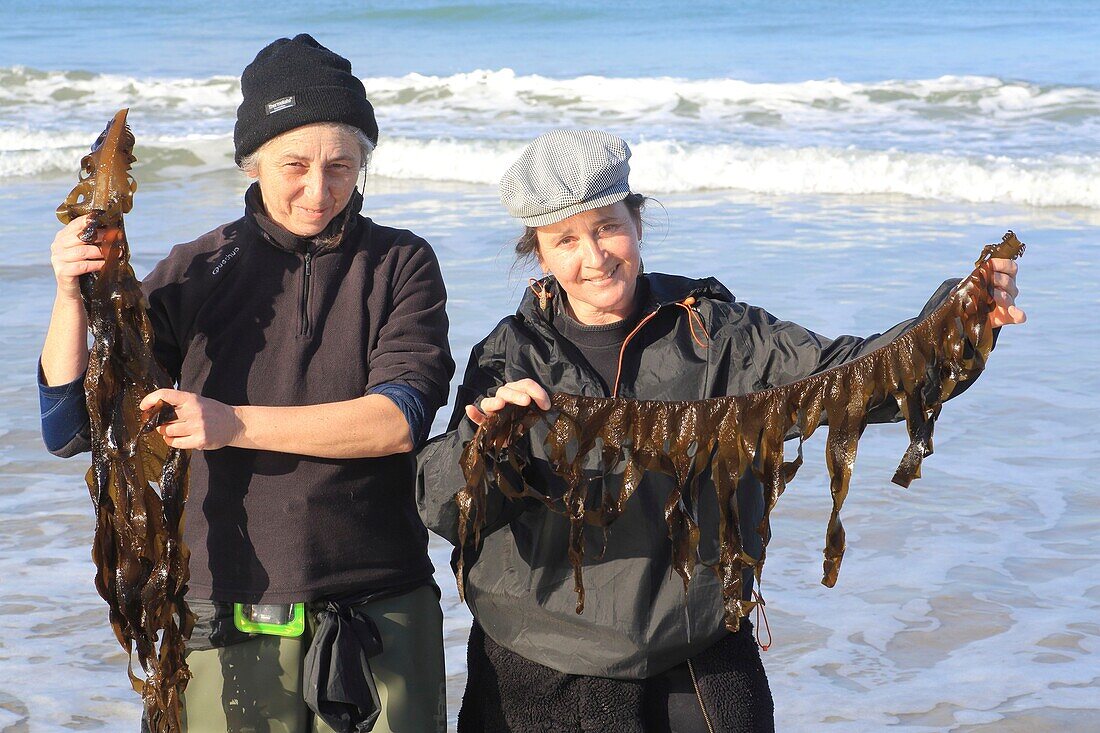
[954,138]
[503,92]
[669,166]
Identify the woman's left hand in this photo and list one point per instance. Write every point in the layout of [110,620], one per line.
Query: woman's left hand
[201,423]
[521,392]
[1004,293]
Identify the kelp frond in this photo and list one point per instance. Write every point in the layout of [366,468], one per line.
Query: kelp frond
[725,437]
[140,556]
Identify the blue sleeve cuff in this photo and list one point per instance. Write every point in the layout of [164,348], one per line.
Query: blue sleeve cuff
[411,403]
[63,410]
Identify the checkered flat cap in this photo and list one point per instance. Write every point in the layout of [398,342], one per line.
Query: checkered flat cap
[565,172]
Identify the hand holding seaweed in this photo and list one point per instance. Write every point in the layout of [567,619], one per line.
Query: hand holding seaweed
[725,437]
[139,553]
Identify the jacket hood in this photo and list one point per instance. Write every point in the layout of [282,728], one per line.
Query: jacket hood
[656,290]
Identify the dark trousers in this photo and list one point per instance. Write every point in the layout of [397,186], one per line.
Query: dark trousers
[506,693]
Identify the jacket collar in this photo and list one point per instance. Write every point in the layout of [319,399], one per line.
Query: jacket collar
[276,235]
[657,291]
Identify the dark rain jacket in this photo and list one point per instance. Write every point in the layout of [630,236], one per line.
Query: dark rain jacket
[637,621]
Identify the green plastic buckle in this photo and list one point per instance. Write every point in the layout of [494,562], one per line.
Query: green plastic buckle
[275,620]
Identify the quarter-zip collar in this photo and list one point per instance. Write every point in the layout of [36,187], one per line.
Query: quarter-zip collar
[273,233]
[306,249]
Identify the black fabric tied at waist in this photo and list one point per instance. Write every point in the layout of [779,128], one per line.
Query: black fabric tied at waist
[339,685]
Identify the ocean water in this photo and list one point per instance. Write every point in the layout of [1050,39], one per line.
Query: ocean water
[831,162]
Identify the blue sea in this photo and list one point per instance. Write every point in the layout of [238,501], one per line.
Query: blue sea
[830,161]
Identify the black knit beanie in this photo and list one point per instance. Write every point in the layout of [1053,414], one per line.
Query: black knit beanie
[295,82]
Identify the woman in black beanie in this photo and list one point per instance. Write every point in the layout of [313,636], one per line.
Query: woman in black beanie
[309,345]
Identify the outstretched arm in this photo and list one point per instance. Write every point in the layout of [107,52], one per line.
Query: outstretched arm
[795,352]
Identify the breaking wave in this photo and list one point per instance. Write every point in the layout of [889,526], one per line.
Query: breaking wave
[955,138]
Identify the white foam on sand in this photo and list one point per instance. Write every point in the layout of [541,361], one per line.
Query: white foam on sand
[58,647]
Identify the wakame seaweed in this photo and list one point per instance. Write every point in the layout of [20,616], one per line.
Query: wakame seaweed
[722,438]
[139,553]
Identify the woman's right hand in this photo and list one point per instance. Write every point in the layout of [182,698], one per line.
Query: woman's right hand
[72,257]
[522,392]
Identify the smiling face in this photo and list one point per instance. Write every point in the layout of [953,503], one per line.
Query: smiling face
[307,176]
[595,258]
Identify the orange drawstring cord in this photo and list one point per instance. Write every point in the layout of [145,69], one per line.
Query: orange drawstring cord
[622,350]
[686,304]
[762,613]
[539,290]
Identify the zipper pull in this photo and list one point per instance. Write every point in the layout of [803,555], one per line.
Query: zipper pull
[309,261]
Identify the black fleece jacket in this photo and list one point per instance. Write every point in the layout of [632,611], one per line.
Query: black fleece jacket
[249,314]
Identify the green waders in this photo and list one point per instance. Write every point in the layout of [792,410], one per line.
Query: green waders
[256,686]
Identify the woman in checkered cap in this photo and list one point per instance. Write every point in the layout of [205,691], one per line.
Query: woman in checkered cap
[644,655]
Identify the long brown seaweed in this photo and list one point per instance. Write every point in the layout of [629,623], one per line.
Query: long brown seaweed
[140,556]
[724,437]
